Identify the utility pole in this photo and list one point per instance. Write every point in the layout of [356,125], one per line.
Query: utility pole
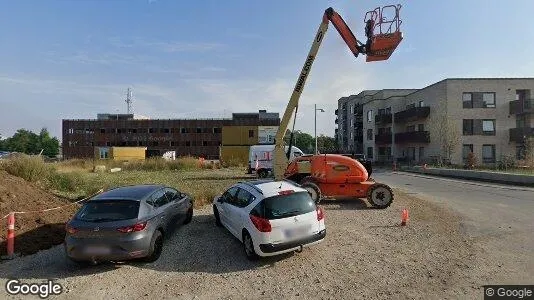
[315,111]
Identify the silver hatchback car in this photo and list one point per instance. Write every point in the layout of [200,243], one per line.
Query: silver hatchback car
[126,223]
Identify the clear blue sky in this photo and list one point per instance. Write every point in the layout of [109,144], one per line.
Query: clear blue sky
[76,58]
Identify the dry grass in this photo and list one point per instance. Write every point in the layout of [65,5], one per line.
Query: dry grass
[74,179]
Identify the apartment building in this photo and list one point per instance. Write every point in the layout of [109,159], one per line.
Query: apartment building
[492,117]
[197,137]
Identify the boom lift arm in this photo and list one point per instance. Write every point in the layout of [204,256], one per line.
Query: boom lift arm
[377,47]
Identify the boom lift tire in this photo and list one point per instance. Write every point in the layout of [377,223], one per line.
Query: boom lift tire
[262,173]
[312,188]
[380,195]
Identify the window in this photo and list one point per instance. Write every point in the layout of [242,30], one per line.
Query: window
[352,109]
[109,210]
[108,144]
[421,127]
[204,143]
[351,135]
[488,100]
[370,152]
[217,130]
[171,194]
[184,130]
[381,111]
[421,153]
[410,128]
[242,199]
[229,194]
[102,130]
[369,134]
[488,153]
[188,143]
[104,153]
[421,103]
[158,199]
[165,130]
[488,127]
[199,130]
[151,130]
[284,206]
[388,111]
[370,116]
[467,99]
[351,123]
[251,133]
[468,126]
[466,149]
[409,106]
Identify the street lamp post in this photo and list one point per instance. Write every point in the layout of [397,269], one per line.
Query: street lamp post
[315,111]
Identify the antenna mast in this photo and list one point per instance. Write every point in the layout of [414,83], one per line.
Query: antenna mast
[129,100]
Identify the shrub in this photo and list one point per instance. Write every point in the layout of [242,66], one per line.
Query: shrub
[31,168]
[506,162]
[66,182]
[471,161]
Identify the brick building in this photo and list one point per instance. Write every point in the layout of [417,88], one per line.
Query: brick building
[196,137]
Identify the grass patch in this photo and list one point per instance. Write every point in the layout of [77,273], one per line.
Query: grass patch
[73,179]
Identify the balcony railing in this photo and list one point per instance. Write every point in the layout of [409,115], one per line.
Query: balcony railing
[337,110]
[518,135]
[336,121]
[383,119]
[412,114]
[412,137]
[517,108]
[383,139]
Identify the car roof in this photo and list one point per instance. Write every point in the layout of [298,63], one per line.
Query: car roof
[131,192]
[271,187]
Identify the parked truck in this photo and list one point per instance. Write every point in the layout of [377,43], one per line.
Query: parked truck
[260,158]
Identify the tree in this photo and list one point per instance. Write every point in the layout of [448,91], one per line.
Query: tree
[445,131]
[28,142]
[301,140]
[326,144]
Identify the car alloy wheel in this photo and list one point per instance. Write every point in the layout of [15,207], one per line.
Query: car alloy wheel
[249,247]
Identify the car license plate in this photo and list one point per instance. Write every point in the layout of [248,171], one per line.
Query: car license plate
[297,232]
[97,250]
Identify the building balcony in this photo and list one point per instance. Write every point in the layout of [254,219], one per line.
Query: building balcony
[412,114]
[336,121]
[518,135]
[383,119]
[336,111]
[526,107]
[383,139]
[412,137]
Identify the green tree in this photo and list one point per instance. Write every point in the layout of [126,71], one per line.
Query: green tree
[28,142]
[326,144]
[301,140]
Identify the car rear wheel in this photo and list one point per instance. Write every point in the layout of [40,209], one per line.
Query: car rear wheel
[263,173]
[217,217]
[380,195]
[156,247]
[248,245]
[189,216]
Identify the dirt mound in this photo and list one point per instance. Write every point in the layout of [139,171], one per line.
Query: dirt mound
[34,231]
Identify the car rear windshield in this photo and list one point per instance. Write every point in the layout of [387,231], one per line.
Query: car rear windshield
[285,206]
[107,211]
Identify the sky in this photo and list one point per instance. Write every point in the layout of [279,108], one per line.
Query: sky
[72,59]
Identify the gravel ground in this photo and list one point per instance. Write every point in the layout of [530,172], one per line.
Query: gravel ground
[365,255]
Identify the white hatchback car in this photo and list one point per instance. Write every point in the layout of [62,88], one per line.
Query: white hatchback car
[270,217]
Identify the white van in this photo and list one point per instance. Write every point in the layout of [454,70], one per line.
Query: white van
[262,156]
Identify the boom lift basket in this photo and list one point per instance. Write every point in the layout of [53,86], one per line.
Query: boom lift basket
[383,30]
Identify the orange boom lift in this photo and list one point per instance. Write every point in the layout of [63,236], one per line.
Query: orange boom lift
[332,175]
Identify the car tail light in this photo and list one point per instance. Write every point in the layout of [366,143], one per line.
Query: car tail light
[320,213]
[263,225]
[136,227]
[70,230]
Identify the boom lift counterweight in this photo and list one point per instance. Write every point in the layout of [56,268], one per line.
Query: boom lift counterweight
[383,37]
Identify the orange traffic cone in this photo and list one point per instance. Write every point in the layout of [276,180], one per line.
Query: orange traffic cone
[404,218]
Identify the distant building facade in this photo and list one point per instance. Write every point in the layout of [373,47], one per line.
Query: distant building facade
[195,137]
[494,117]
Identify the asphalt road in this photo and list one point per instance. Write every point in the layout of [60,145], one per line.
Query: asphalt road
[500,218]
